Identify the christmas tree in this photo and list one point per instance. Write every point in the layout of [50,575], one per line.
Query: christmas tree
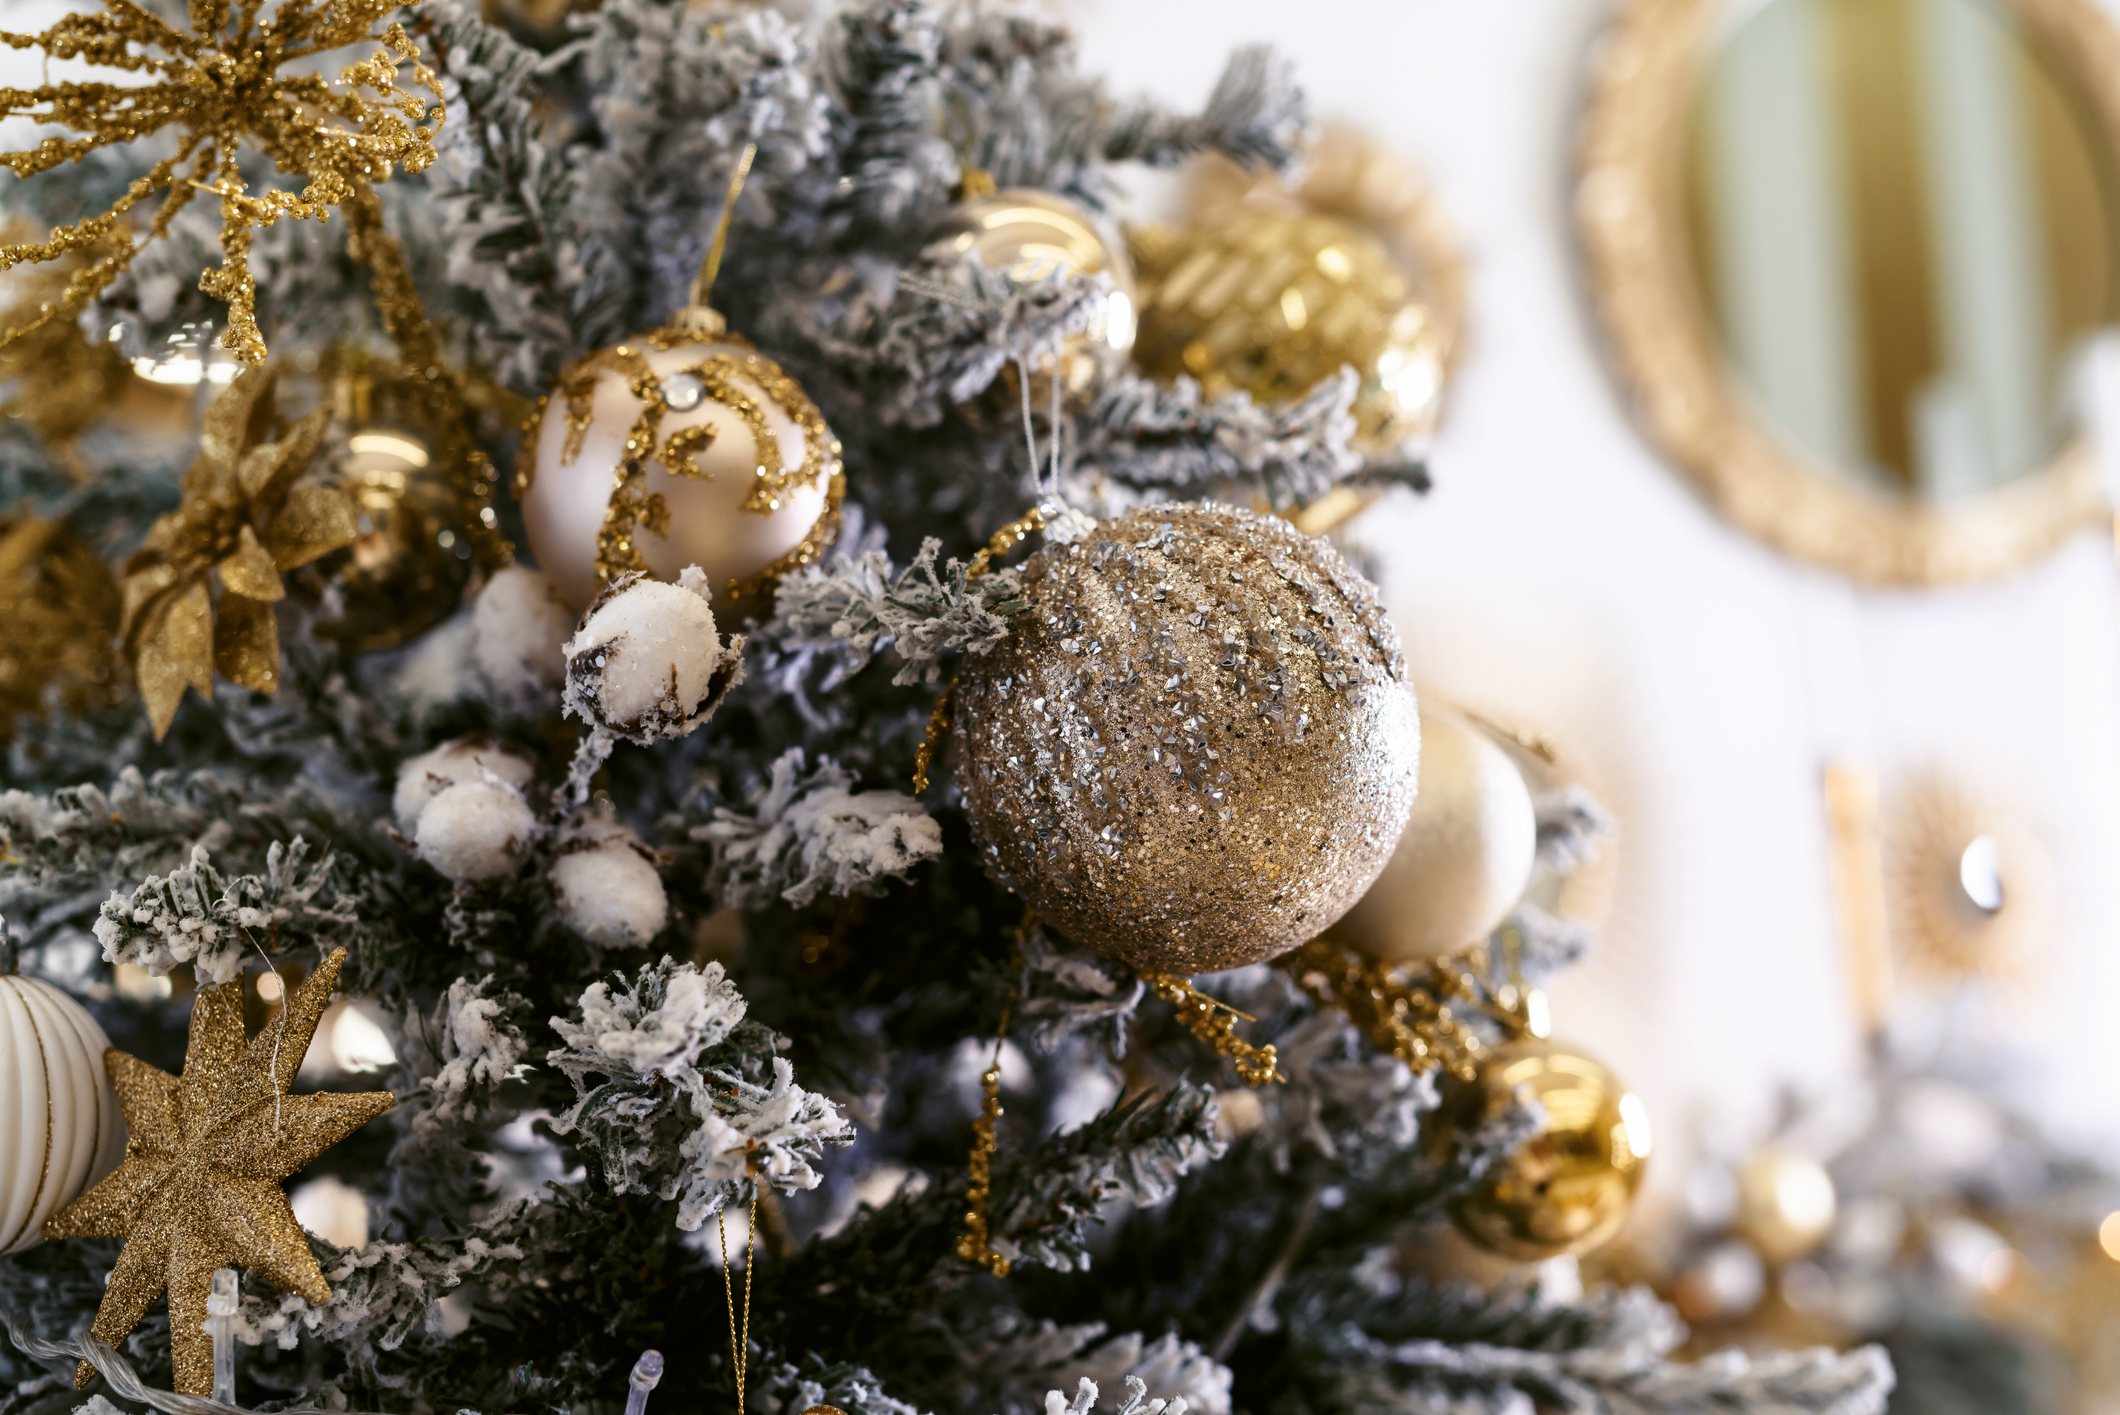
[779,960]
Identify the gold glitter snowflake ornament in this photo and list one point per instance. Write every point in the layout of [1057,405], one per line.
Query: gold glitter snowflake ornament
[217,87]
[200,1185]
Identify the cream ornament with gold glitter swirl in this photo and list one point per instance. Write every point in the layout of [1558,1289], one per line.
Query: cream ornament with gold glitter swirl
[1197,745]
[60,1127]
[678,449]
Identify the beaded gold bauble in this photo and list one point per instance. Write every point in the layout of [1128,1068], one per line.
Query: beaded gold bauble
[1569,1188]
[59,603]
[1465,856]
[57,1109]
[407,569]
[677,449]
[1032,235]
[1273,303]
[1197,745]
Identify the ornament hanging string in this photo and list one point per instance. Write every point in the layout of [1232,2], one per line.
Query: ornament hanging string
[698,317]
[739,1344]
[975,1244]
[1000,543]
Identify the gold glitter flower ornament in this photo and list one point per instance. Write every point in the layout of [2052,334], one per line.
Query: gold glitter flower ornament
[200,1185]
[219,85]
[243,520]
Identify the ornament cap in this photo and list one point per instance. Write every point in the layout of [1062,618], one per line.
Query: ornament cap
[702,322]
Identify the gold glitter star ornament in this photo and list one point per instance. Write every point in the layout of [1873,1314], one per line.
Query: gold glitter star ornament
[200,1185]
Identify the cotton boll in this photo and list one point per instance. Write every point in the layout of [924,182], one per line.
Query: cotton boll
[610,895]
[421,778]
[605,882]
[519,629]
[647,662]
[475,829]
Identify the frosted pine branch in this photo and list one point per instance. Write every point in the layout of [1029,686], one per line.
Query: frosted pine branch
[859,607]
[679,1096]
[1165,439]
[808,833]
[1572,827]
[1136,1151]
[1256,116]
[196,915]
[477,1048]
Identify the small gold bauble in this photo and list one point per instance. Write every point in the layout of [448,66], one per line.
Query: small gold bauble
[1785,1204]
[60,604]
[1569,1188]
[1273,303]
[676,449]
[1032,235]
[1465,856]
[1196,746]
[407,569]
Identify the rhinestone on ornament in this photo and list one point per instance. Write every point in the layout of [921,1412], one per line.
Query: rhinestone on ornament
[683,392]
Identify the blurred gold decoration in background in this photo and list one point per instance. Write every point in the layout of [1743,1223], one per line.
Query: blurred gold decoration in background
[1272,291]
[1570,1187]
[409,564]
[1970,893]
[244,519]
[217,86]
[1785,1204]
[59,603]
[57,382]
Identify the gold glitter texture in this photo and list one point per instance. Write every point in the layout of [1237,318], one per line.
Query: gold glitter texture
[975,1244]
[1215,1023]
[244,518]
[1197,747]
[1418,1012]
[218,84]
[200,1185]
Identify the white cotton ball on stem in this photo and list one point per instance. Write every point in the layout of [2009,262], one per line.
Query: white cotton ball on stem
[647,662]
[475,830]
[610,894]
[519,630]
[420,779]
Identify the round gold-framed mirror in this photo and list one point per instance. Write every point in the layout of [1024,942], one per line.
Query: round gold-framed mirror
[1851,256]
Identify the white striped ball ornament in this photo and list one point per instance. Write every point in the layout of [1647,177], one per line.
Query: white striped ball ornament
[60,1127]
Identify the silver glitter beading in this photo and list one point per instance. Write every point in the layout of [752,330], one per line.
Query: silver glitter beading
[1197,746]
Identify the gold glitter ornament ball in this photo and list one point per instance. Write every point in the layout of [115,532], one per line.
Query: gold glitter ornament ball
[1569,1188]
[669,451]
[1197,745]
[58,1114]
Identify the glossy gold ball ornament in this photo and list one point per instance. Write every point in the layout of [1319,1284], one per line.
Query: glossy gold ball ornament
[1197,745]
[1032,235]
[1273,303]
[1569,1188]
[678,448]
[408,567]
[1465,856]
[1785,1204]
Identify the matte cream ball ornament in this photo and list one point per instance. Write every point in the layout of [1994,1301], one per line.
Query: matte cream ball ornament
[684,446]
[1197,745]
[1465,857]
[1569,1188]
[60,1126]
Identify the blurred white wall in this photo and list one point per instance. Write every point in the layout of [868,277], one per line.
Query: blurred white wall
[1562,574]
